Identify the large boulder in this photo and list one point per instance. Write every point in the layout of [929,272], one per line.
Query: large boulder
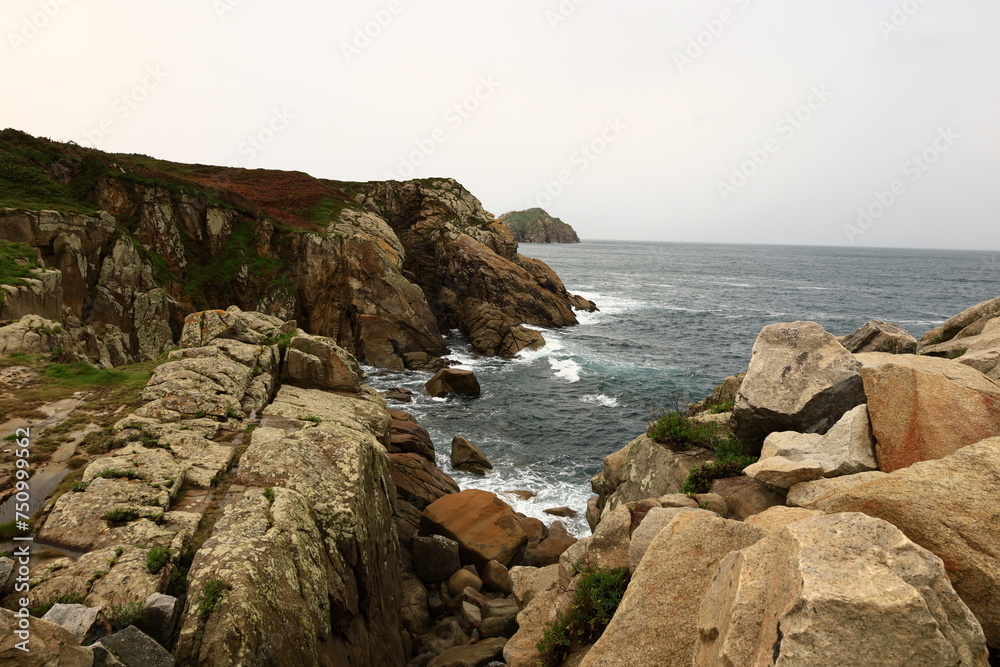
[835,589]
[132,647]
[980,351]
[817,494]
[651,627]
[466,456]
[879,336]
[485,527]
[948,506]
[746,496]
[968,322]
[316,362]
[49,645]
[448,381]
[926,408]
[87,624]
[408,436]
[783,473]
[800,379]
[418,481]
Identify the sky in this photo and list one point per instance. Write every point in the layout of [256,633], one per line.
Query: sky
[856,122]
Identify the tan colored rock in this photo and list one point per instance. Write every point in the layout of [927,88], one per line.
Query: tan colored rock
[954,326]
[775,518]
[746,496]
[947,506]
[800,379]
[829,589]
[545,607]
[528,582]
[846,449]
[448,381]
[49,645]
[817,494]
[418,481]
[466,456]
[980,351]
[879,336]
[925,408]
[783,473]
[645,630]
[606,548]
[472,655]
[484,526]
[643,536]
[678,500]
[549,549]
[317,362]
[408,436]
[496,577]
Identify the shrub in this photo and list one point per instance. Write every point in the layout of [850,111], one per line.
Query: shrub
[120,616]
[269,494]
[676,429]
[719,408]
[699,480]
[121,515]
[112,473]
[76,463]
[210,597]
[597,596]
[157,558]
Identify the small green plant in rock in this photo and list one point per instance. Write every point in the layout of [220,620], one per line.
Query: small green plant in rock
[157,558]
[121,515]
[210,597]
[120,616]
[41,609]
[310,418]
[677,430]
[720,408]
[269,494]
[112,473]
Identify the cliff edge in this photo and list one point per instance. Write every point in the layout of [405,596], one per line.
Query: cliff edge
[537,226]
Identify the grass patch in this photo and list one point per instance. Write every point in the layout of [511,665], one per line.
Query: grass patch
[676,430]
[121,515]
[210,597]
[41,609]
[120,616]
[9,531]
[114,473]
[82,375]
[16,262]
[269,494]
[720,408]
[598,594]
[157,558]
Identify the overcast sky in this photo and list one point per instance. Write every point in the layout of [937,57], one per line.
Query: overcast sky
[873,122]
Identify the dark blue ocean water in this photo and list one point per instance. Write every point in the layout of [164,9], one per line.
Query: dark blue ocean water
[675,319]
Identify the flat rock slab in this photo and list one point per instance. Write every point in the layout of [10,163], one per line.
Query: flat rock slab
[484,526]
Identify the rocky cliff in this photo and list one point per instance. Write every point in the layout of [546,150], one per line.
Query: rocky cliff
[382,268]
[536,226]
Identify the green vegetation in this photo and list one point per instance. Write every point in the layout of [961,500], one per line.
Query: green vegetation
[120,616]
[8,531]
[16,262]
[310,418]
[113,473]
[41,609]
[80,375]
[726,406]
[121,515]
[269,494]
[676,430]
[210,597]
[157,558]
[597,596]
[27,167]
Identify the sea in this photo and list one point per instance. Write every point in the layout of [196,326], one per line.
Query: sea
[674,320]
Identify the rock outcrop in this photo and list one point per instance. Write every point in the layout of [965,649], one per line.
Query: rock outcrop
[879,336]
[536,226]
[969,322]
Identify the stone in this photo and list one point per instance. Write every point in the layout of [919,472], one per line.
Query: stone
[800,379]
[746,496]
[446,634]
[533,528]
[548,551]
[398,394]
[925,408]
[449,381]
[606,548]
[463,579]
[678,500]
[846,449]
[545,607]
[316,362]
[593,512]
[879,336]
[497,578]
[134,648]
[647,630]
[978,351]
[469,617]
[565,512]
[50,645]
[955,326]
[484,526]
[947,506]
[643,469]
[815,495]
[775,518]
[466,456]
[783,473]
[521,494]
[87,624]
[473,655]
[712,502]
[414,609]
[499,618]
[418,481]
[530,581]
[407,436]
[643,536]
[831,588]
[435,558]
[6,576]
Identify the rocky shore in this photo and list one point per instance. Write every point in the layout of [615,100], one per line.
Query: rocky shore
[536,226]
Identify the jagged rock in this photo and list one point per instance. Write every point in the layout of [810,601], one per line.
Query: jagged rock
[49,645]
[87,624]
[499,618]
[466,456]
[846,449]
[606,548]
[493,332]
[816,495]
[536,226]
[398,394]
[133,648]
[926,408]
[530,581]
[446,634]
[201,328]
[818,592]
[879,336]
[722,394]
[496,577]
[980,351]
[414,613]
[949,507]
[317,362]
[40,295]
[656,520]
[472,655]
[484,526]
[545,607]
[418,481]
[435,558]
[162,614]
[969,322]
[550,548]
[746,496]
[448,381]
[800,379]
[32,335]
[645,630]
[643,469]
[408,436]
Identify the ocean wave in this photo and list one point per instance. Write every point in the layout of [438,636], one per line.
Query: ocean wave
[567,369]
[600,399]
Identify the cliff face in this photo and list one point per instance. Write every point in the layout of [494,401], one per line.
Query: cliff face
[382,268]
[537,226]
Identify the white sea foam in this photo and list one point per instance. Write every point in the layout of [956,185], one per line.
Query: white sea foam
[567,369]
[600,399]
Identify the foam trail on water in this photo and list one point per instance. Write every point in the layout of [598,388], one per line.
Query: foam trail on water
[600,399]
[567,369]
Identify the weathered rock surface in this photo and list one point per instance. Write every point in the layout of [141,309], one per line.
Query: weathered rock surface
[656,520]
[979,351]
[947,506]
[775,518]
[466,456]
[484,526]
[435,558]
[408,436]
[449,381]
[746,496]
[319,363]
[969,322]
[879,336]
[800,379]
[473,655]
[647,629]
[49,644]
[536,226]
[418,481]
[132,647]
[550,548]
[926,408]
[87,624]
[846,449]
[829,589]
[783,473]
[816,494]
